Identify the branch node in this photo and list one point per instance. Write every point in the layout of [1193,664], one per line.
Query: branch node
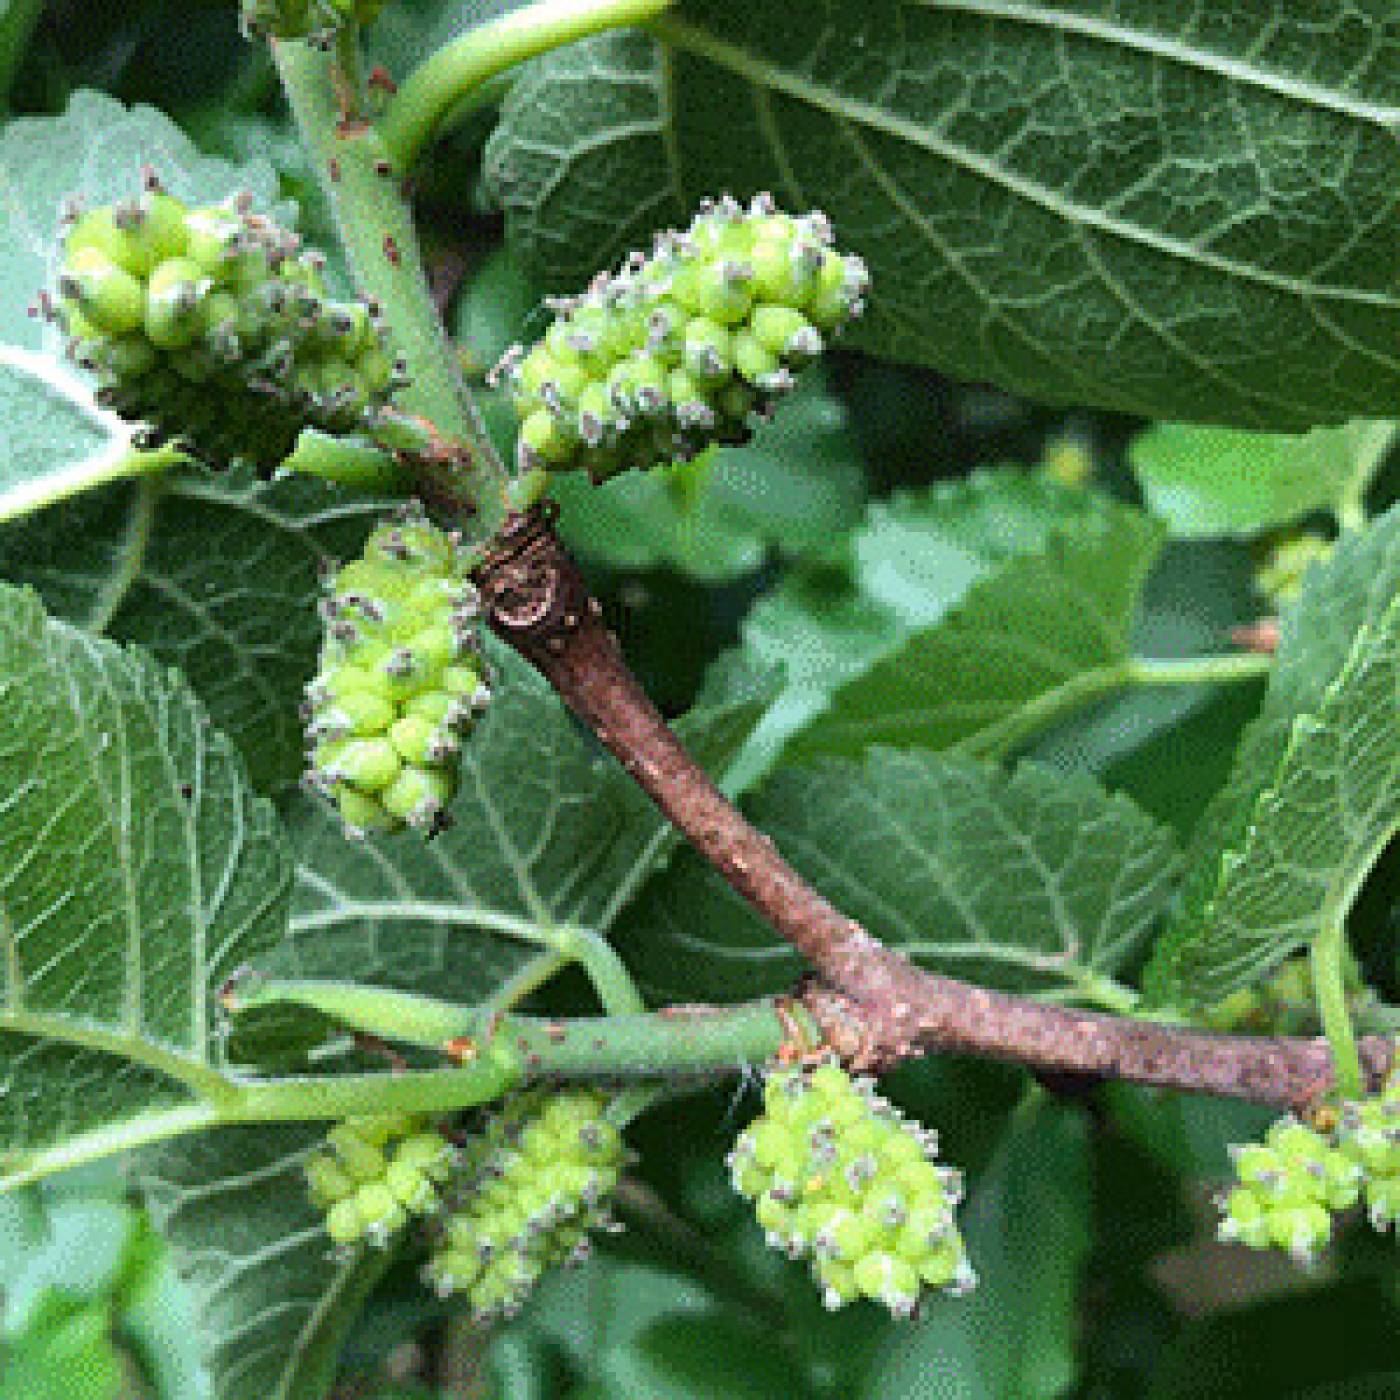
[531,589]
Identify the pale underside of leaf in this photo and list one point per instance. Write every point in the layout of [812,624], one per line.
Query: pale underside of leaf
[138,871]
[58,441]
[1164,212]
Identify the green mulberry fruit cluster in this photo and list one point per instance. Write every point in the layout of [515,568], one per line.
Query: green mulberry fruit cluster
[534,1184]
[1369,1134]
[214,324]
[1289,1187]
[686,348]
[839,1176]
[316,20]
[374,1173]
[401,679]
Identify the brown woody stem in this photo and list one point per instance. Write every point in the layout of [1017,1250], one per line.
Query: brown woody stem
[873,1004]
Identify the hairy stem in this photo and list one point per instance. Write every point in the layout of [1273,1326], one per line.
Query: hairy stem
[880,1007]
[447,85]
[665,1044]
[312,1097]
[1328,956]
[462,474]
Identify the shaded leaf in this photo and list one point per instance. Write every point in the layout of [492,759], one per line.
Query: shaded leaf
[1032,882]
[1145,209]
[1036,631]
[1027,1233]
[714,1356]
[1286,1347]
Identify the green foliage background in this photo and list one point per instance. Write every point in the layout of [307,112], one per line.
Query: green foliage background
[897,561]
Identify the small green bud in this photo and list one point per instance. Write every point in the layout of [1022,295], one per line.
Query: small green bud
[376,1172]
[173,295]
[111,299]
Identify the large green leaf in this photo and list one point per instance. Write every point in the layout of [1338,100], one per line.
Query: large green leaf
[1036,633]
[1351,591]
[1314,832]
[214,574]
[1033,881]
[1151,208]
[137,871]
[1207,482]
[910,561]
[273,1300]
[1027,1232]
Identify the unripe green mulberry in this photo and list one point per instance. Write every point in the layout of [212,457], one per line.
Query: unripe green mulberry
[401,680]
[316,20]
[214,325]
[686,348]
[1290,1186]
[374,1173]
[1280,576]
[533,1185]
[1369,1136]
[837,1175]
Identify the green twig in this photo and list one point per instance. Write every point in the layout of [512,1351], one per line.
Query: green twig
[1328,956]
[1103,682]
[529,977]
[699,1040]
[447,85]
[366,192]
[605,970]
